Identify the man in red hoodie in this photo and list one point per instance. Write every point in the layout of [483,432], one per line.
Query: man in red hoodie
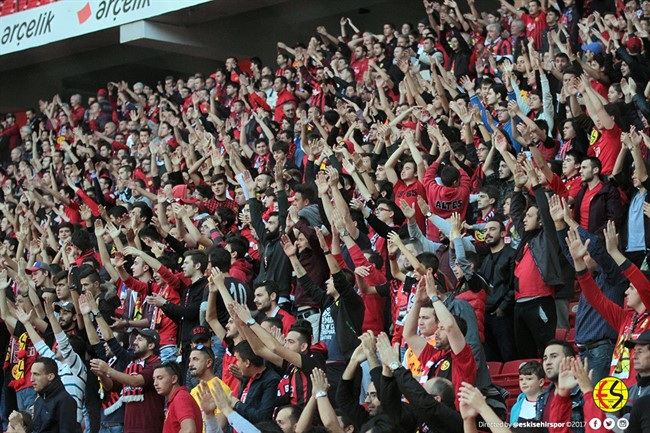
[449,196]
[240,268]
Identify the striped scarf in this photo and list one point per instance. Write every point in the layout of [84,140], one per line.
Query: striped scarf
[157,314]
[111,401]
[133,393]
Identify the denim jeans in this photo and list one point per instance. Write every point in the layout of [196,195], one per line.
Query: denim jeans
[600,359]
[112,429]
[26,398]
[168,353]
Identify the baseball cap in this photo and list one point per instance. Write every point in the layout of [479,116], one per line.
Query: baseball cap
[149,334]
[102,92]
[643,338]
[39,266]
[200,333]
[195,201]
[634,45]
[594,47]
[67,306]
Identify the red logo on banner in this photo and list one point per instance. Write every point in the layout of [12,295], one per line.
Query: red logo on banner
[84,13]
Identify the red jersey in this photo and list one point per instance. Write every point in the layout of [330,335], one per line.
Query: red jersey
[605,145]
[457,368]
[535,25]
[410,193]
[629,323]
[445,200]
[170,290]
[531,283]
[181,406]
[230,380]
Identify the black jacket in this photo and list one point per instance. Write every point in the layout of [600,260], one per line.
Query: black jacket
[422,407]
[274,264]
[260,398]
[55,410]
[498,270]
[605,205]
[186,315]
[543,244]
[347,311]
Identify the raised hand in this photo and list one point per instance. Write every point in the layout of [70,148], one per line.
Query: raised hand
[395,239]
[556,209]
[288,246]
[456,225]
[22,316]
[322,184]
[407,210]
[319,381]
[131,251]
[566,381]
[217,278]
[207,403]
[577,249]
[387,353]
[424,206]
[520,177]
[580,370]
[468,84]
[241,311]
[100,231]
[611,238]
[84,306]
[471,400]
[362,271]
[113,231]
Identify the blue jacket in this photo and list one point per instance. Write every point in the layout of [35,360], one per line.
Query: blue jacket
[516,408]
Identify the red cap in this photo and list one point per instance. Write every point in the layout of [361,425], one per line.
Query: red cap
[634,45]
[102,92]
[189,200]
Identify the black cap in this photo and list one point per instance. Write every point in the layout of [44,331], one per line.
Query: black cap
[149,334]
[67,306]
[643,338]
[200,333]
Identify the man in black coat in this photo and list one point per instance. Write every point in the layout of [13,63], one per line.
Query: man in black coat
[54,409]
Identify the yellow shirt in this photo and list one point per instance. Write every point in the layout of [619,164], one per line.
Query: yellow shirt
[211,384]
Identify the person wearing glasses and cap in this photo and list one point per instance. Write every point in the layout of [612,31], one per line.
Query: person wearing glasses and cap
[201,369]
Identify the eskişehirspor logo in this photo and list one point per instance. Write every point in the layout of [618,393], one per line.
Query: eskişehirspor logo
[610,394]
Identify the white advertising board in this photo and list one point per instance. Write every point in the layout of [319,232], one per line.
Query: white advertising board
[70,18]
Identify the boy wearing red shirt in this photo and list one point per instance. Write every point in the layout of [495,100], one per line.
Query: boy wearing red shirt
[183,414]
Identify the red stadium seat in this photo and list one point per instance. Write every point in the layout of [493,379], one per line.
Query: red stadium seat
[512,367]
[508,381]
[494,367]
[560,334]
[571,336]
[9,7]
[573,310]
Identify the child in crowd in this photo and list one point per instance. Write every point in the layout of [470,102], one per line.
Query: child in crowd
[531,381]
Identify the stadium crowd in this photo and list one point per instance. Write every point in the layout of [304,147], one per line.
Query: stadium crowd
[344,240]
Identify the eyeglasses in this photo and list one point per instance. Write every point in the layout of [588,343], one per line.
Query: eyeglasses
[382,209]
[205,349]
